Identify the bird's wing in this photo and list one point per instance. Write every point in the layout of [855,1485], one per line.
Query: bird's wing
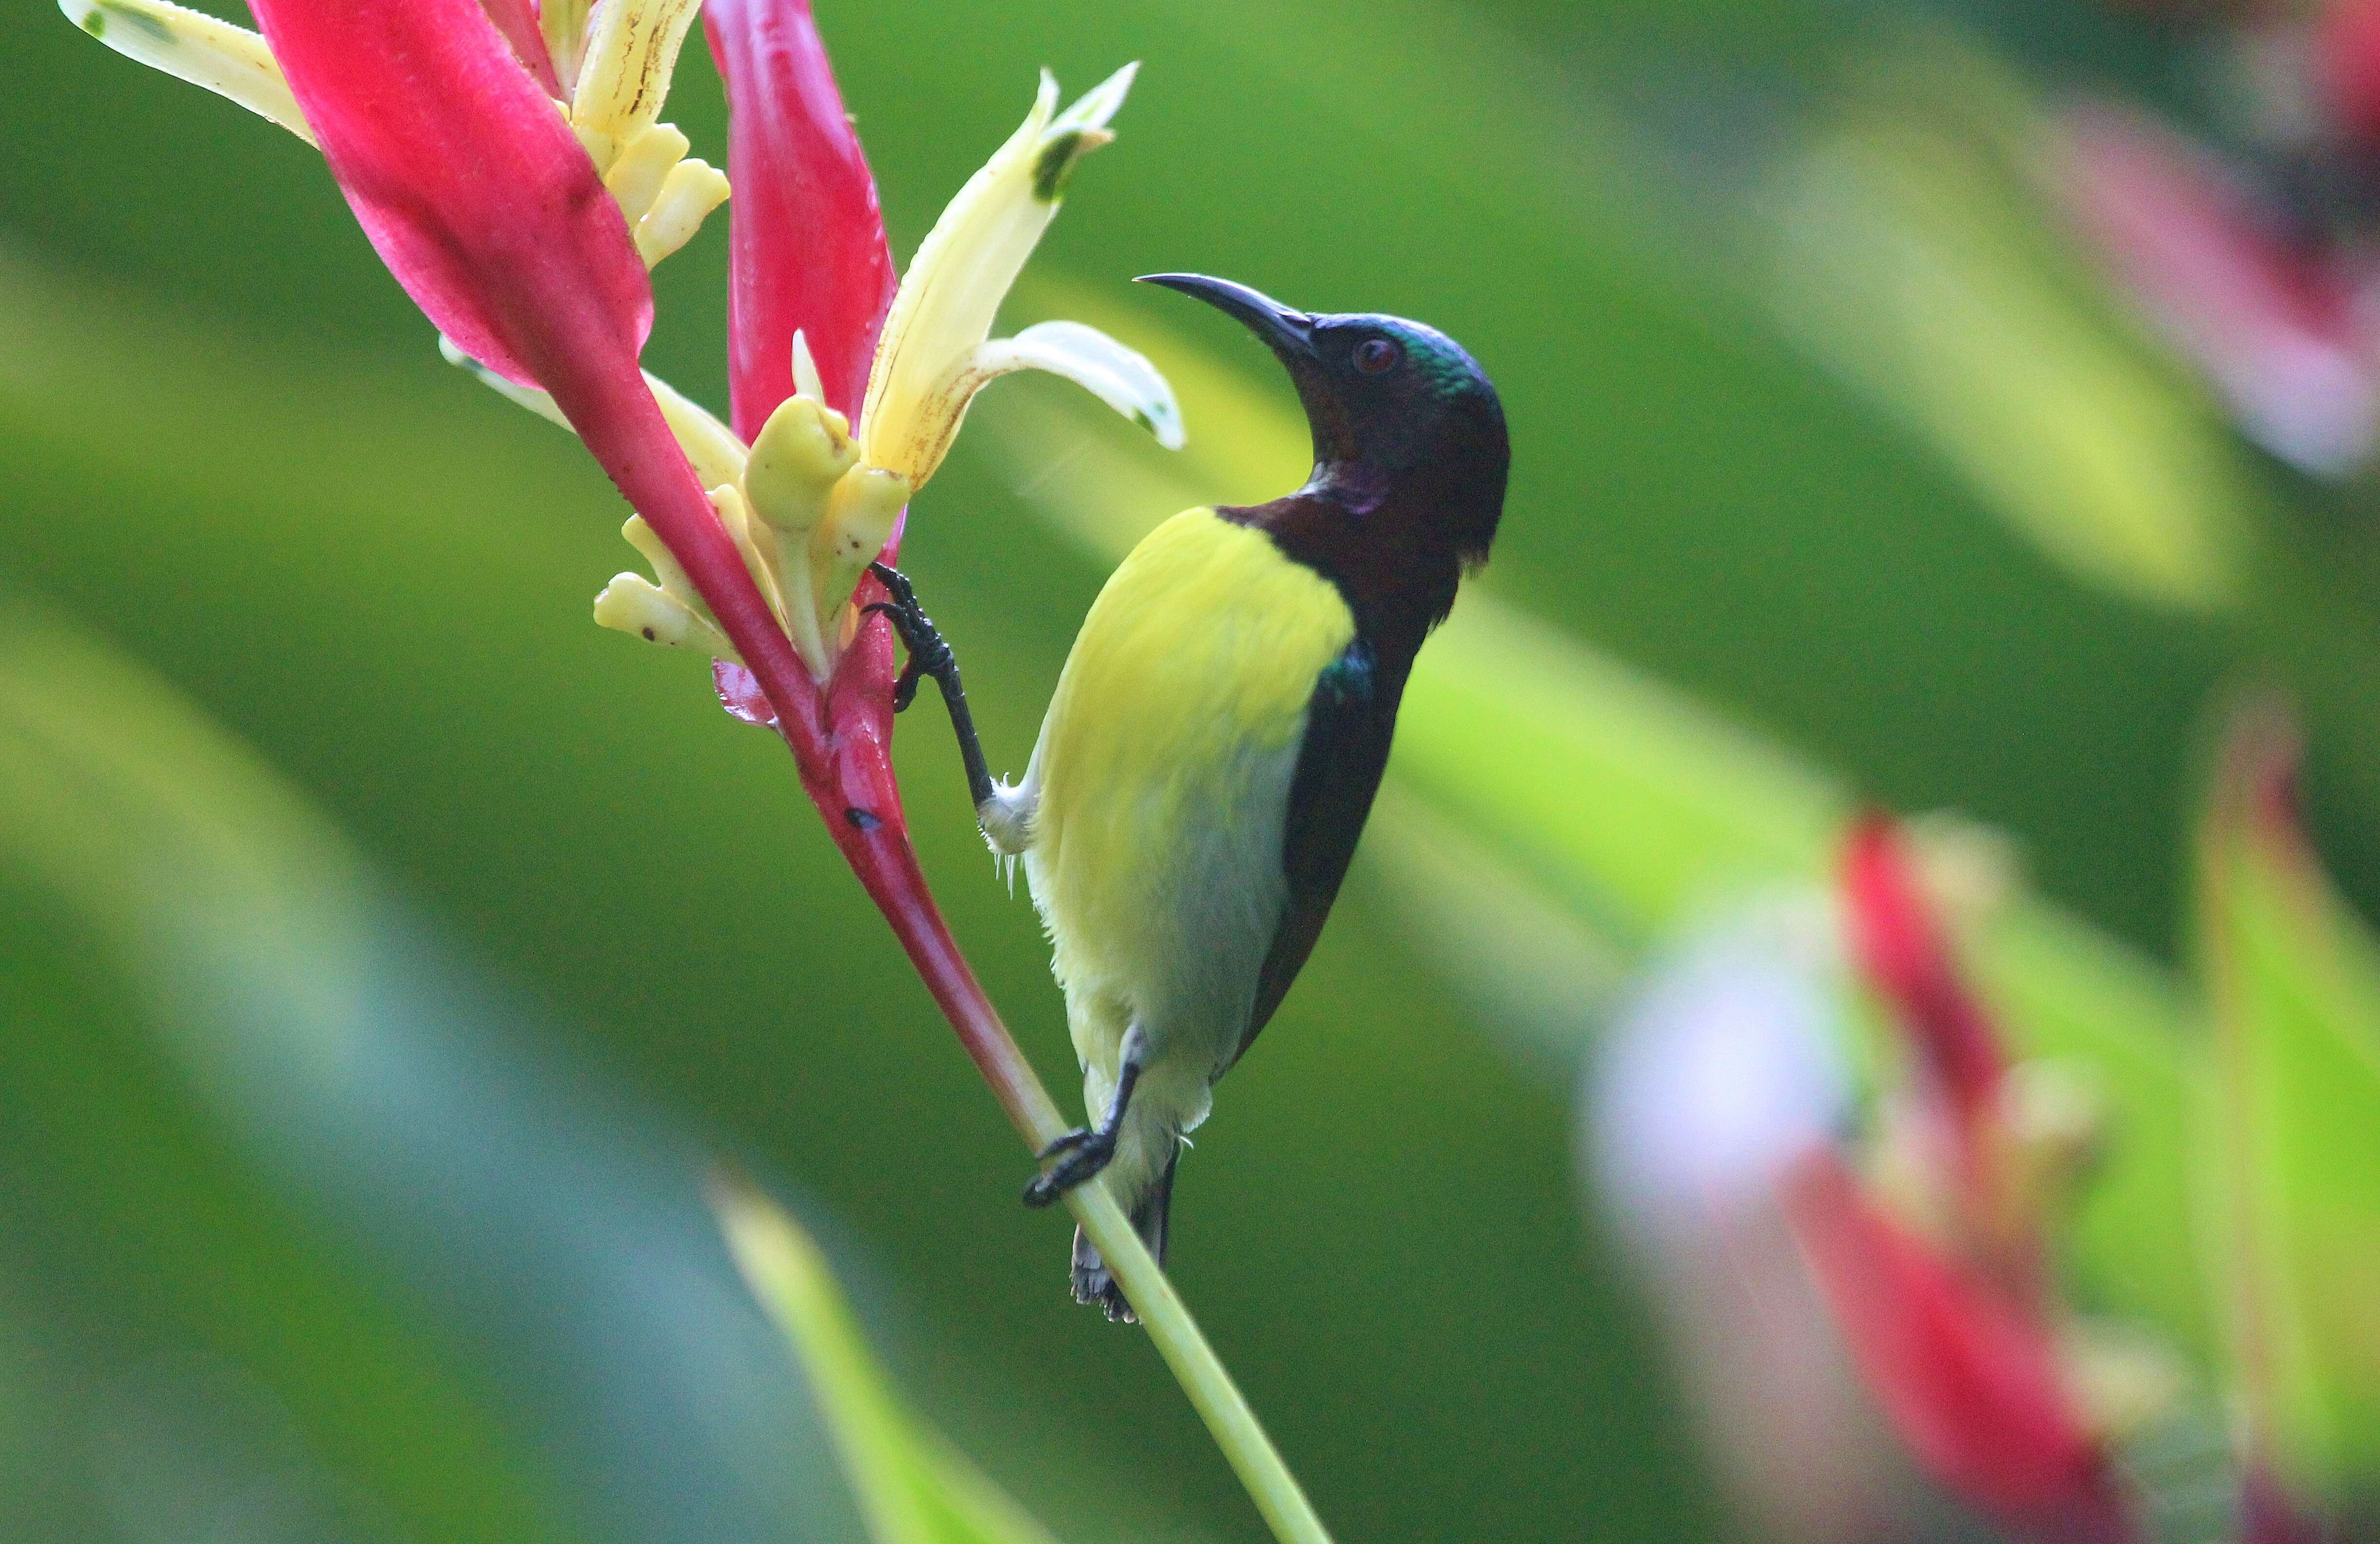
[1348,722]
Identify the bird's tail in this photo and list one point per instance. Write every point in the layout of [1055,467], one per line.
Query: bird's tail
[1092,1282]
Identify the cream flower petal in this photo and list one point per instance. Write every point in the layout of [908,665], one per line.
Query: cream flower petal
[631,53]
[632,604]
[229,61]
[564,22]
[643,164]
[717,455]
[952,293]
[859,518]
[1120,377]
[806,380]
[1116,375]
[693,189]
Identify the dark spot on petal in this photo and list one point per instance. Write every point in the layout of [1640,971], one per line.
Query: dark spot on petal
[95,24]
[1056,163]
[649,637]
[862,819]
[139,21]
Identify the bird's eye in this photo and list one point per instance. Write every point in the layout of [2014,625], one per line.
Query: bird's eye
[1375,355]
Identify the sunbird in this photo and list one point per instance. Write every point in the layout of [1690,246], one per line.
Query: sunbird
[1220,730]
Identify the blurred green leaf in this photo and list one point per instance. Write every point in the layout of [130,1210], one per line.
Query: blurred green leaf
[538,1300]
[1908,250]
[1524,962]
[913,1487]
[126,819]
[2293,1143]
[550,1243]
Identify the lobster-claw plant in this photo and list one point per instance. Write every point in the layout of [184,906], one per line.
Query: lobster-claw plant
[1930,1240]
[508,162]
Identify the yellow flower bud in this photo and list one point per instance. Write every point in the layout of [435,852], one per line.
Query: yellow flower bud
[631,603]
[801,453]
[859,518]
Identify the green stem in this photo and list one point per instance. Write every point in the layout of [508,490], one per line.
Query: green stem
[1196,1367]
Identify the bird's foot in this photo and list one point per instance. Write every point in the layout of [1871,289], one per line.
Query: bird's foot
[929,654]
[1081,1154]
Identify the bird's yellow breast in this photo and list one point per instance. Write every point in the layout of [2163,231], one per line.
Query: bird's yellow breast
[1164,750]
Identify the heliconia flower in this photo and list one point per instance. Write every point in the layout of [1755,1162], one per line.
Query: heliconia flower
[1933,1252]
[1971,1376]
[825,494]
[2276,331]
[809,500]
[1905,955]
[818,497]
[486,196]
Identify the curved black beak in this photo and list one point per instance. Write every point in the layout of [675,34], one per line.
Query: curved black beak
[1289,334]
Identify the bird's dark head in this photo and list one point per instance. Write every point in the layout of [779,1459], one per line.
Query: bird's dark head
[1400,411]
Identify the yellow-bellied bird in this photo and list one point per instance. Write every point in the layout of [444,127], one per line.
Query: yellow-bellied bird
[1220,730]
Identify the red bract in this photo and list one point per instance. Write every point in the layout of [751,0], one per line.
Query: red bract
[1969,1375]
[807,249]
[2272,327]
[2347,59]
[468,181]
[487,209]
[1906,956]
[517,20]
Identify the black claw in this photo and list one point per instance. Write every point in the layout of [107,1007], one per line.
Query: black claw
[1085,1153]
[896,584]
[1066,1143]
[929,655]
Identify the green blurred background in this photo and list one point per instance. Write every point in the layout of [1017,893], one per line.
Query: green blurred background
[229,454]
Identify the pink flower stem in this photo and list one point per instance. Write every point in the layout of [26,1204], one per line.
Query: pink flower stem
[856,767]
